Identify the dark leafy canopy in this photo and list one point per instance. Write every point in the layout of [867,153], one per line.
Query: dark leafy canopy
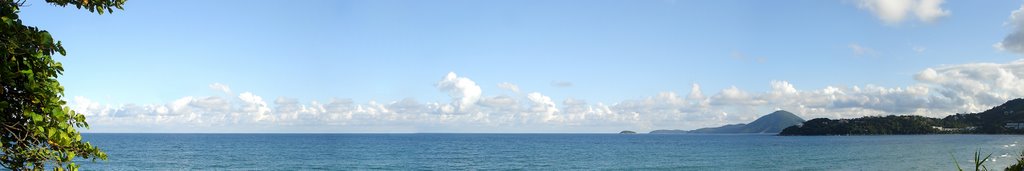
[870,125]
[98,6]
[992,121]
[36,128]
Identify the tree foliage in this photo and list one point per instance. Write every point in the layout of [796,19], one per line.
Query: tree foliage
[36,126]
[870,125]
[992,121]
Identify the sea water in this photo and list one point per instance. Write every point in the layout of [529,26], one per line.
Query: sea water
[546,152]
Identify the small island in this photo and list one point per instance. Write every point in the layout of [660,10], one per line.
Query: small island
[627,132]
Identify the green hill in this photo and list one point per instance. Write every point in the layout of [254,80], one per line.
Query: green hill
[868,125]
[1007,118]
[771,123]
[994,120]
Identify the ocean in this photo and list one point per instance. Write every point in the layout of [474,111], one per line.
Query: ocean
[545,152]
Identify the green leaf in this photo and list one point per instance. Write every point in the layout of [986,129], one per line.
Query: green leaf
[35,117]
[27,73]
[60,48]
[7,21]
[45,37]
[56,112]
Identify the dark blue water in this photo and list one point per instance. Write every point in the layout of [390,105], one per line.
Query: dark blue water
[543,151]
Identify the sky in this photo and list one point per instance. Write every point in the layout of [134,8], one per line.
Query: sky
[533,66]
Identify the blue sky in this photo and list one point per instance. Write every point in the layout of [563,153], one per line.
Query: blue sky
[616,52]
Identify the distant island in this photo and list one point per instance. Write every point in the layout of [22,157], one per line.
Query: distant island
[1007,118]
[627,132]
[774,122]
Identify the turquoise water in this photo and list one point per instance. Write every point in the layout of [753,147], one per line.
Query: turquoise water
[544,151]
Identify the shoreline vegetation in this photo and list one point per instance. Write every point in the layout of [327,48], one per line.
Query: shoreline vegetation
[1007,118]
[979,162]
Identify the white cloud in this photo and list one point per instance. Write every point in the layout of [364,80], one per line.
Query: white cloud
[695,93]
[500,102]
[919,49]
[220,87]
[210,103]
[464,92]
[930,10]
[88,107]
[895,11]
[543,106]
[976,86]
[1014,42]
[408,106]
[939,91]
[288,108]
[738,56]
[889,11]
[509,86]
[734,96]
[255,107]
[860,50]
[782,87]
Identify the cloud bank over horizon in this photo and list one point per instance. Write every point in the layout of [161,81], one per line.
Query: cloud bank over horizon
[653,43]
[938,91]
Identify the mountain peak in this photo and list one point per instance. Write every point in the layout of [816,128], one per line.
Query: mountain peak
[775,122]
[781,112]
